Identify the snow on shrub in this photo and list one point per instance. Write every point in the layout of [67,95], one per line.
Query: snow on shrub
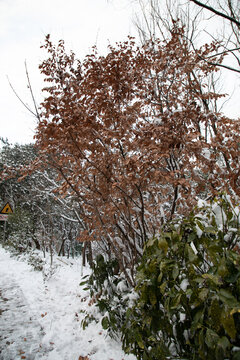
[188,286]
[110,294]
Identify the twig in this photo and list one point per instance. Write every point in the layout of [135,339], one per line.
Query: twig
[230,18]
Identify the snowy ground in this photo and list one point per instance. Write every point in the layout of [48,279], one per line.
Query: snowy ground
[40,315]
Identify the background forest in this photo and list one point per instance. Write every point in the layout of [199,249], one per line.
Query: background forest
[135,165]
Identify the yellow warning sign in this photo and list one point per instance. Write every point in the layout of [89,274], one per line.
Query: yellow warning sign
[6,209]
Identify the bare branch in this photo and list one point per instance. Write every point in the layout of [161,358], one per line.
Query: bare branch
[210,8]
[23,103]
[30,88]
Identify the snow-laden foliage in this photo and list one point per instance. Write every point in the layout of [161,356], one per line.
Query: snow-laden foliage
[188,286]
[110,295]
[40,219]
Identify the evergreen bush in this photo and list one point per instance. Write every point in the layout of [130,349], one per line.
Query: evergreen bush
[109,293]
[19,231]
[188,286]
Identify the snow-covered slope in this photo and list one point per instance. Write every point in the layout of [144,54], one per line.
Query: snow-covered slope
[40,315]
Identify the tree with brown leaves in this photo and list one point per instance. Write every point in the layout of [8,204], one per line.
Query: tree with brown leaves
[132,138]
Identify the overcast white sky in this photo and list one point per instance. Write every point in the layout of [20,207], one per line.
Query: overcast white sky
[82,24]
[23,26]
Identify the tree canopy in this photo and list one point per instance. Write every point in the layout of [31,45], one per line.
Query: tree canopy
[133,138]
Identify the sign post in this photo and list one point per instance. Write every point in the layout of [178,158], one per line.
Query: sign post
[7,209]
[3,217]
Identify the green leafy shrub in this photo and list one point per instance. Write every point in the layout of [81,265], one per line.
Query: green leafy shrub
[109,293]
[35,260]
[188,285]
[19,231]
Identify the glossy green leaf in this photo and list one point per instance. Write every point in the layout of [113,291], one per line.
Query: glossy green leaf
[163,245]
[214,278]
[203,293]
[228,324]
[222,268]
[211,339]
[227,298]
[175,272]
[152,296]
[191,255]
[163,287]
[105,323]
[176,301]
[139,340]
[215,312]
[224,343]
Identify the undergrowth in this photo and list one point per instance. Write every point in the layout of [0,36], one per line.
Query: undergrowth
[186,304]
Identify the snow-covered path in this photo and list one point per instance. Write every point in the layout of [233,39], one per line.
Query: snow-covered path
[40,317]
[21,332]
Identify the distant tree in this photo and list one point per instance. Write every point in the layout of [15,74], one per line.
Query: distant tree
[131,139]
[40,218]
[12,161]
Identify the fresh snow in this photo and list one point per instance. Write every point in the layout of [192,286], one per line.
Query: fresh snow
[41,314]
